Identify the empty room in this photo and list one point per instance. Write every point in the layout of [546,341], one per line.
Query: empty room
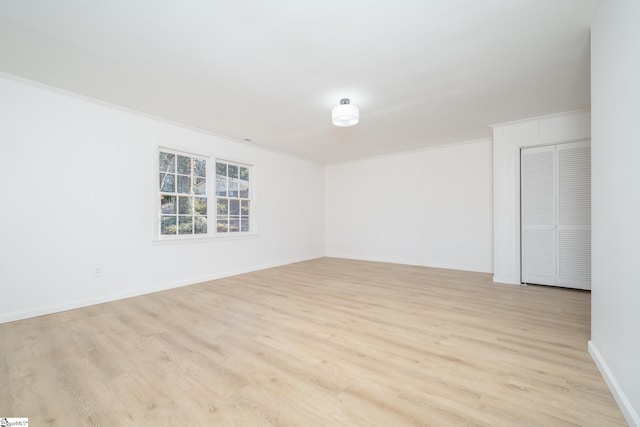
[362,213]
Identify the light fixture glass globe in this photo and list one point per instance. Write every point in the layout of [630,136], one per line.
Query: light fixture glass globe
[345,115]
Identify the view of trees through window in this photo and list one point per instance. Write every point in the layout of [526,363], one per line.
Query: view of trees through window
[232,197]
[183,194]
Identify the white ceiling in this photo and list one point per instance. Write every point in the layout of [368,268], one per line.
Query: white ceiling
[423,72]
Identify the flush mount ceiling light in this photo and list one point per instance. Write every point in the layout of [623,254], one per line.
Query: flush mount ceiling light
[345,114]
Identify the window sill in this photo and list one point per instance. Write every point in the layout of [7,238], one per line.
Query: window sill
[202,239]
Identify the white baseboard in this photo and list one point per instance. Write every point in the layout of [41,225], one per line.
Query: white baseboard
[505,280]
[405,262]
[628,411]
[41,311]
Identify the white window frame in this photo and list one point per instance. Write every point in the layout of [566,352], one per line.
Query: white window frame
[249,199]
[157,199]
[212,212]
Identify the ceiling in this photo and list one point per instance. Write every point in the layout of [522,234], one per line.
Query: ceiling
[423,72]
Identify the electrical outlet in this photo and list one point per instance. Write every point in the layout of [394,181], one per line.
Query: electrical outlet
[97,272]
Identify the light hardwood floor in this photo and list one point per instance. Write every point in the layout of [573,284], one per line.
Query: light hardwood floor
[327,342]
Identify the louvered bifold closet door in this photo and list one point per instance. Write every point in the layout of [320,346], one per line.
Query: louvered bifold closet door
[538,212]
[574,215]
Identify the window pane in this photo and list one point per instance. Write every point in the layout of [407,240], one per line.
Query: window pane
[233,171]
[244,190]
[184,184]
[221,169]
[167,183]
[184,205]
[223,225]
[200,224]
[233,188]
[201,167]
[234,207]
[221,187]
[233,194]
[186,175]
[168,204]
[184,165]
[167,162]
[185,225]
[200,186]
[200,205]
[244,173]
[223,206]
[168,225]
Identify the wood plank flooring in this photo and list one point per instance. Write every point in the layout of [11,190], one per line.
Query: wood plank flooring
[327,342]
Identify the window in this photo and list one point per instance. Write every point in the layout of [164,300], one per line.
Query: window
[188,184]
[183,194]
[233,197]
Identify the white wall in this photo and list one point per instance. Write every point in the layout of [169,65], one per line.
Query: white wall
[430,207]
[77,192]
[508,139]
[615,296]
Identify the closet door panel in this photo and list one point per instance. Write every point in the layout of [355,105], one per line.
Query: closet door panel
[574,214]
[574,184]
[574,247]
[538,215]
[539,256]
